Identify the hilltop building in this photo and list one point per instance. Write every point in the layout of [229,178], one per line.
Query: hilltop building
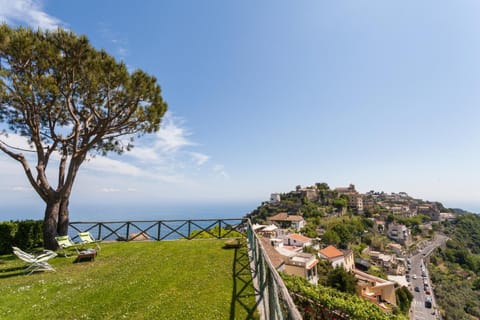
[275,198]
[284,220]
[355,199]
[399,233]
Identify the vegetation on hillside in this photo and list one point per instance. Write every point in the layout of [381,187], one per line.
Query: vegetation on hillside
[455,269]
[324,300]
[329,217]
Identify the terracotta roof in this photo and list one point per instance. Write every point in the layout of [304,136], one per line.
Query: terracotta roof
[395,246]
[275,257]
[299,237]
[295,218]
[279,216]
[283,216]
[331,252]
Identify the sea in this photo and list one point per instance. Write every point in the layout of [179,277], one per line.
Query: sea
[133,212]
[159,221]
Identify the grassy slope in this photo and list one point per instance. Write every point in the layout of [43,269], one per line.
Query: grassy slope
[148,280]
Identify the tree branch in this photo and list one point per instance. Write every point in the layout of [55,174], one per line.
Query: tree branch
[21,158]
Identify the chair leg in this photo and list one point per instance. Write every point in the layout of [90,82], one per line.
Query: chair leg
[40,266]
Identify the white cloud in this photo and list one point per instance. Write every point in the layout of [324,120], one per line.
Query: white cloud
[29,12]
[172,136]
[199,158]
[109,190]
[162,161]
[167,147]
[16,141]
[118,43]
[105,164]
[21,189]
[144,154]
[219,169]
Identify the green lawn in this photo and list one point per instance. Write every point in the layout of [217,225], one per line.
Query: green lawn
[181,279]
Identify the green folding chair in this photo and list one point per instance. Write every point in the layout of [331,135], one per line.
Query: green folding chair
[66,244]
[87,239]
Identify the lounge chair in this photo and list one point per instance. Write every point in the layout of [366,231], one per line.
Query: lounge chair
[65,243]
[36,263]
[86,239]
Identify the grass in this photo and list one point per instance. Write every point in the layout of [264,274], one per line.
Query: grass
[136,280]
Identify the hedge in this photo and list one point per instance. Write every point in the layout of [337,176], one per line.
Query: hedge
[23,234]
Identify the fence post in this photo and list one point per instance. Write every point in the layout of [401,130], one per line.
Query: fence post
[127,231]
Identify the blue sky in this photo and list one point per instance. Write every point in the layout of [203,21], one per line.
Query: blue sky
[265,96]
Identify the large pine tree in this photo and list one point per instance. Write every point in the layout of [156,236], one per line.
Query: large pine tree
[69,99]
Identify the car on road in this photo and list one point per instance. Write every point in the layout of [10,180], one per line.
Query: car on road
[417,289]
[428,302]
[414,276]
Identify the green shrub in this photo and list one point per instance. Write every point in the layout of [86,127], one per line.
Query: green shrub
[23,234]
[7,231]
[28,234]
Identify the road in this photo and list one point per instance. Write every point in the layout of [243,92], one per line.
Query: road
[418,310]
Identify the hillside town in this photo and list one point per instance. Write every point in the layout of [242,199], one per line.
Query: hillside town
[371,236]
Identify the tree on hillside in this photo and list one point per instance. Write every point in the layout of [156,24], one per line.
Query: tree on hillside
[340,202]
[404,299]
[342,280]
[68,100]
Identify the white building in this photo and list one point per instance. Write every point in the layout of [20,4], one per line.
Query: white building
[399,233]
[338,258]
[275,197]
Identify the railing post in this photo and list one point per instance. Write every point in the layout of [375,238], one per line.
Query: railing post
[159,230]
[189,229]
[100,231]
[127,231]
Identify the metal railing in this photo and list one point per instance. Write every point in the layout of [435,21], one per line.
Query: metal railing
[274,301]
[159,229]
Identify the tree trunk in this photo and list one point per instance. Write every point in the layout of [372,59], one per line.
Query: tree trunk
[63,218]
[50,224]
